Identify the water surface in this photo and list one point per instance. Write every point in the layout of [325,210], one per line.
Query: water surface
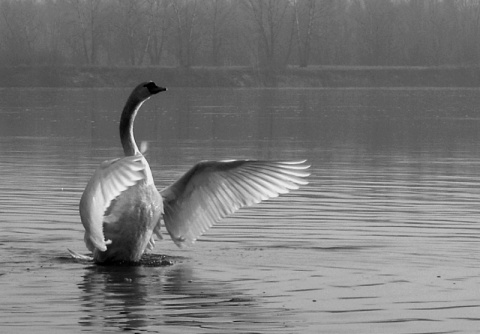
[384,239]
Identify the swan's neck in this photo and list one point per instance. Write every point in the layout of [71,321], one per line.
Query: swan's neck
[126,126]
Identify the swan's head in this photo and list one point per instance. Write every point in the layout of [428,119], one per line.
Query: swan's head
[146,89]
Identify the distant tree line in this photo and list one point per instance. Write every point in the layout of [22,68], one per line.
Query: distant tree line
[264,33]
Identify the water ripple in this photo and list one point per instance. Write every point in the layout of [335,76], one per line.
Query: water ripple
[384,239]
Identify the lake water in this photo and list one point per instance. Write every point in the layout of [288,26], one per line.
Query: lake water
[384,239]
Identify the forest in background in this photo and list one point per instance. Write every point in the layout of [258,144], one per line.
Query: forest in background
[262,34]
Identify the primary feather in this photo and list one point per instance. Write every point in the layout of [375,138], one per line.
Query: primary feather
[212,190]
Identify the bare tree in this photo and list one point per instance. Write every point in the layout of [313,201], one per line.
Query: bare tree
[268,18]
[376,22]
[86,19]
[52,34]
[186,15]
[218,15]
[19,24]
[305,12]
[470,34]
[131,34]
[158,27]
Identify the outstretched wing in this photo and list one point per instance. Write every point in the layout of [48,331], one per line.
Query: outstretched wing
[213,189]
[109,180]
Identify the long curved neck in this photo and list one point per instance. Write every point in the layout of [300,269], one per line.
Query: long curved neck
[126,126]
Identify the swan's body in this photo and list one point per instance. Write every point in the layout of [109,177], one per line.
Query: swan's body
[122,210]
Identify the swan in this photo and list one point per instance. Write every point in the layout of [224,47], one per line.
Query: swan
[122,210]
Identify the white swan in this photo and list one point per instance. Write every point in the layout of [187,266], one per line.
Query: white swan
[121,208]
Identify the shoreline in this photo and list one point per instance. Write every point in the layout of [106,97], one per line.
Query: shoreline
[241,77]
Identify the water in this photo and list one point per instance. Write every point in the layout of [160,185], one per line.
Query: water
[384,239]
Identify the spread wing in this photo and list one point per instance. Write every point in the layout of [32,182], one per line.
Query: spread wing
[213,189]
[109,180]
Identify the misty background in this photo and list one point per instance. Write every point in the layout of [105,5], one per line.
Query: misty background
[269,34]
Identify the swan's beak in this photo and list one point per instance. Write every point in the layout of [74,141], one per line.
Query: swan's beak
[157,89]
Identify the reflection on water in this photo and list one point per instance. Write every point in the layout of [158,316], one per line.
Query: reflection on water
[173,299]
[385,238]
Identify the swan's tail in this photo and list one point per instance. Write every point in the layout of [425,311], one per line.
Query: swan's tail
[143,147]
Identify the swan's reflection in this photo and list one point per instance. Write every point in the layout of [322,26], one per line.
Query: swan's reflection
[136,297]
[129,296]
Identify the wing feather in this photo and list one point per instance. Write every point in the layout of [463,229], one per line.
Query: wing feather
[109,180]
[212,190]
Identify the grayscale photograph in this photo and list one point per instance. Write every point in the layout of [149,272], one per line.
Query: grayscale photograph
[240,166]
